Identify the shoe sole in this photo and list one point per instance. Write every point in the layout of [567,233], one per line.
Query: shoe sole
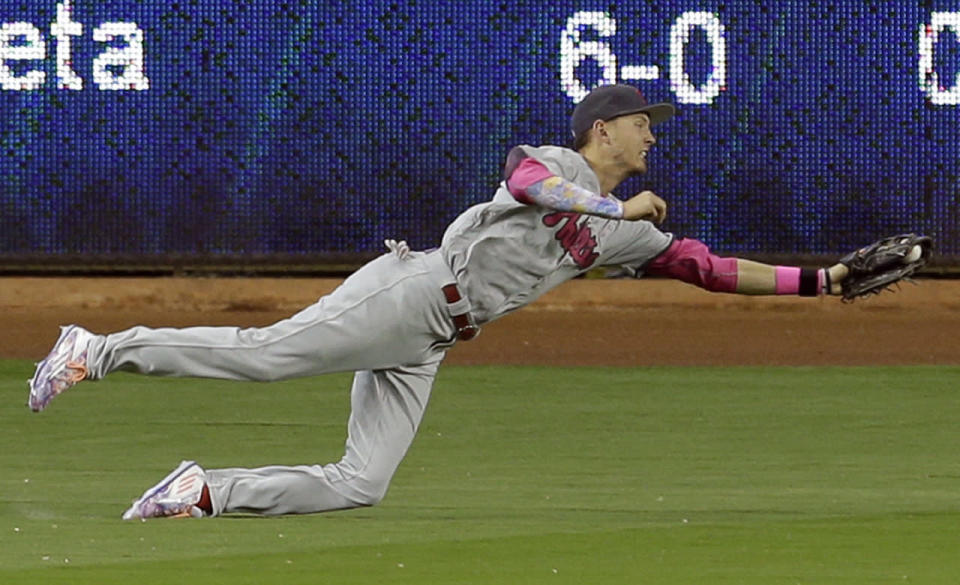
[43,369]
[164,483]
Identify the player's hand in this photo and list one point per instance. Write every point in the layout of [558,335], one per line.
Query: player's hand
[837,273]
[645,205]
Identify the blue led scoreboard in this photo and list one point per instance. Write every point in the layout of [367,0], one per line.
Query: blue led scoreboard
[230,128]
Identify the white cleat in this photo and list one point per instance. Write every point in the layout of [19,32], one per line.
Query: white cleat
[64,366]
[175,496]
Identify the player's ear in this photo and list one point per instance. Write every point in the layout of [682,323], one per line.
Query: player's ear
[600,128]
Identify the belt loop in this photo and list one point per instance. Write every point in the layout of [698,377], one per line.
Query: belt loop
[458,307]
[461,307]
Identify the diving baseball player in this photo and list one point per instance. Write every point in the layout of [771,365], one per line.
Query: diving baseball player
[552,218]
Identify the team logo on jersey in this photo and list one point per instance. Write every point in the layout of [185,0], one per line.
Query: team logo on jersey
[577,240]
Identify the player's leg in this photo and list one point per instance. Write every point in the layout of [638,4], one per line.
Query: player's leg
[386,409]
[388,313]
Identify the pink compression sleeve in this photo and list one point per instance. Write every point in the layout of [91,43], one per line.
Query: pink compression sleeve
[528,172]
[788,280]
[691,261]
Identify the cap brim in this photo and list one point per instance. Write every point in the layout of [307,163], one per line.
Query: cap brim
[657,112]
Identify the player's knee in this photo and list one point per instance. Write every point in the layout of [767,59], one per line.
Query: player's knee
[370,491]
[373,495]
[368,500]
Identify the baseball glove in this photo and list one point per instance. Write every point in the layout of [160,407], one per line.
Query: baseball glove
[885,262]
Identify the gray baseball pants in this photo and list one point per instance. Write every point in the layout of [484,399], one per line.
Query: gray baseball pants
[389,322]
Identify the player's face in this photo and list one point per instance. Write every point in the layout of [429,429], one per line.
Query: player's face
[631,139]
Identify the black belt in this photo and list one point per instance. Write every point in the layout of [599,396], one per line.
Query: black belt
[465,329]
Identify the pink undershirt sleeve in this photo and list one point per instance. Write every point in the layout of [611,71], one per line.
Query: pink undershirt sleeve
[528,172]
[691,261]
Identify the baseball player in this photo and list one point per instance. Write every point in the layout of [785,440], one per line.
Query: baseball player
[552,218]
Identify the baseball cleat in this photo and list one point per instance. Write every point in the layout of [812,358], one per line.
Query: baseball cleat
[64,366]
[175,496]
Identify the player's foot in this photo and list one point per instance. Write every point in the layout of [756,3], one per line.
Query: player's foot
[176,496]
[64,366]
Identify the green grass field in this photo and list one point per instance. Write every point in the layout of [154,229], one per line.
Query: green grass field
[519,475]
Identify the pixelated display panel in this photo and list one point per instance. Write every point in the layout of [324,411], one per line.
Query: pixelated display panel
[256,127]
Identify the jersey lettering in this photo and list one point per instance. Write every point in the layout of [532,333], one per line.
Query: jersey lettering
[577,240]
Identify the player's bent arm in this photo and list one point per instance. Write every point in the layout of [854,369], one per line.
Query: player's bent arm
[692,261]
[562,195]
[533,184]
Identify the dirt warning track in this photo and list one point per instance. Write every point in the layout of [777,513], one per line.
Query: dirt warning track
[584,322]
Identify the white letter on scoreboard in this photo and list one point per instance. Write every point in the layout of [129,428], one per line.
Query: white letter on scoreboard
[63,29]
[29,48]
[573,51]
[130,58]
[930,83]
[680,83]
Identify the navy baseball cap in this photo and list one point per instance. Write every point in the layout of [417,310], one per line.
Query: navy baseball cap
[612,101]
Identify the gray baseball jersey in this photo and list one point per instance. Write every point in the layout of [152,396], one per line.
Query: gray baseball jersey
[505,254]
[391,323]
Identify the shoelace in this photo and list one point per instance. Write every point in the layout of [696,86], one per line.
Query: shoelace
[73,372]
[166,509]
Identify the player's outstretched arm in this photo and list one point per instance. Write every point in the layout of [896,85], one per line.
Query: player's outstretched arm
[692,261]
[864,272]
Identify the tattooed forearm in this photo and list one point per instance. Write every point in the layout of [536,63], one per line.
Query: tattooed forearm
[562,195]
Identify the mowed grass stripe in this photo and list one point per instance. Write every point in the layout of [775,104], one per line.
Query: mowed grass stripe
[843,551]
[837,474]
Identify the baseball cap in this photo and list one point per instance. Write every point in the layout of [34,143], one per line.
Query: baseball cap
[612,101]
